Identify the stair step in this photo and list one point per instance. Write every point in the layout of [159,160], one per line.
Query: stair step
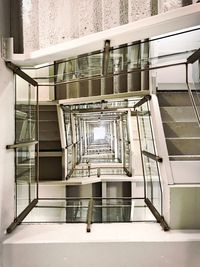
[49,135]
[183,146]
[167,99]
[48,115]
[50,145]
[47,108]
[49,154]
[181,129]
[51,168]
[48,124]
[178,114]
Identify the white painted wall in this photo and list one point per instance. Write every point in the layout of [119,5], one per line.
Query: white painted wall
[6,156]
[6,133]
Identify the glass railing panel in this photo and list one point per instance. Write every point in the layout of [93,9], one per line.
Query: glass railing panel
[85,172]
[151,173]
[146,134]
[25,111]
[121,210]
[25,154]
[111,171]
[59,211]
[68,130]
[70,160]
[103,211]
[100,160]
[25,171]
[195,88]
[157,51]
[152,179]
[174,47]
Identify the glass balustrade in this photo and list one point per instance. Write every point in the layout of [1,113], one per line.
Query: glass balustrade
[25,141]
[195,87]
[123,60]
[151,171]
[75,210]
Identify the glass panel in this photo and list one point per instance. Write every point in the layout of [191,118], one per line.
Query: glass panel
[157,51]
[76,210]
[25,111]
[69,159]
[145,129]
[151,168]
[25,131]
[68,130]
[25,169]
[121,210]
[153,190]
[196,85]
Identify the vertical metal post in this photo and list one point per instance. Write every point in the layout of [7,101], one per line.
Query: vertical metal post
[141,154]
[89,215]
[106,55]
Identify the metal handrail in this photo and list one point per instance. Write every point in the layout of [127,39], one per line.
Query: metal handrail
[152,156]
[194,57]
[97,77]
[24,144]
[21,73]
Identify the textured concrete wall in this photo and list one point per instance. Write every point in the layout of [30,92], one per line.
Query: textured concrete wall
[48,22]
[30,25]
[139,9]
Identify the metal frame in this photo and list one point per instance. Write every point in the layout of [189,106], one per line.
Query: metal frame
[19,145]
[34,202]
[160,218]
[146,98]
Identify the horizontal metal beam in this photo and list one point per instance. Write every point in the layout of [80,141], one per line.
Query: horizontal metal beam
[21,216]
[86,198]
[152,156]
[22,145]
[194,57]
[21,73]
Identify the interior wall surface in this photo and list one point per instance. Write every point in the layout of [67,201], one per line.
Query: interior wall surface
[6,132]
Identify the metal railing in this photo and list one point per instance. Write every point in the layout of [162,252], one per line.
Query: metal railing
[26,145]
